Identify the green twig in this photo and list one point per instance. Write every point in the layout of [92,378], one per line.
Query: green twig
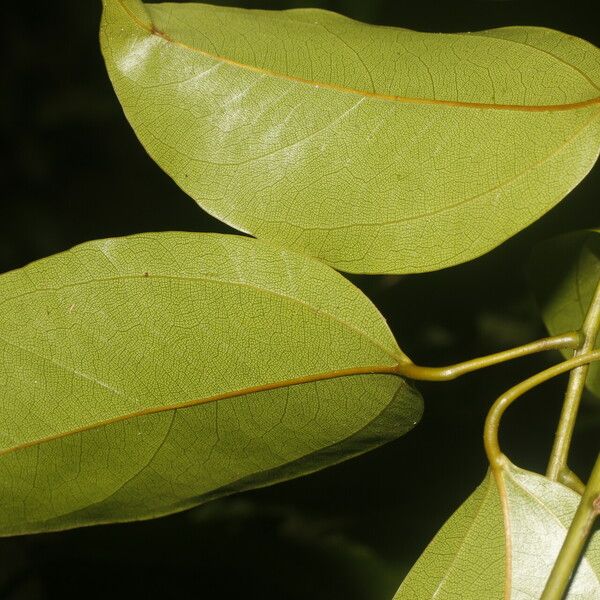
[571,340]
[557,465]
[577,536]
[492,422]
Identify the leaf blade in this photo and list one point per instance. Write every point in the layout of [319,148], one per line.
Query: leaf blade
[526,511]
[371,168]
[564,272]
[112,349]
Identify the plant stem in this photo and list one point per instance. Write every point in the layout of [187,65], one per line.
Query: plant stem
[557,465]
[571,340]
[577,536]
[492,422]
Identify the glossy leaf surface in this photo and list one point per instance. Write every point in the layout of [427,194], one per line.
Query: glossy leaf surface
[501,544]
[376,149]
[564,272]
[140,376]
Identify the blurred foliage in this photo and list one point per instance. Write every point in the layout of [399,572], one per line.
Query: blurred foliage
[75,171]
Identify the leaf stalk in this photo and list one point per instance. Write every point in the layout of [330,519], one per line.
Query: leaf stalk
[570,340]
[492,422]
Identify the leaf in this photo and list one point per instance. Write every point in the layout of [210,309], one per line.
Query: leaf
[502,543]
[141,376]
[564,272]
[375,149]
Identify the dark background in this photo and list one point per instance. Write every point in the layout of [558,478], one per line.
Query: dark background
[74,171]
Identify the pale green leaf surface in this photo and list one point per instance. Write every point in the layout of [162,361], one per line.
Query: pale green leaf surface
[140,376]
[501,544]
[373,148]
[564,272]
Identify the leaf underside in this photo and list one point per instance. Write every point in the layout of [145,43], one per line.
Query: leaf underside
[564,272]
[376,149]
[144,375]
[501,544]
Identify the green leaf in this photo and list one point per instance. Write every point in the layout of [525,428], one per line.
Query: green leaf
[375,149]
[144,375]
[502,543]
[564,272]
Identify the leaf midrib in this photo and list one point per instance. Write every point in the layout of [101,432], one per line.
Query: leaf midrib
[368,370]
[371,369]
[171,510]
[497,477]
[150,29]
